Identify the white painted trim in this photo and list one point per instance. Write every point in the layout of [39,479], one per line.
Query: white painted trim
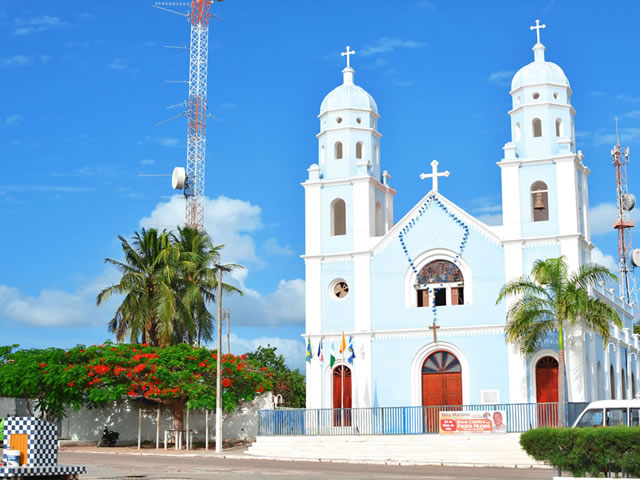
[410,297]
[418,361]
[458,331]
[373,131]
[531,106]
[350,109]
[548,84]
[533,361]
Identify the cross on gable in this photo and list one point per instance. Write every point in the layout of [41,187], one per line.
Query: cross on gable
[435,329]
[348,53]
[537,28]
[434,175]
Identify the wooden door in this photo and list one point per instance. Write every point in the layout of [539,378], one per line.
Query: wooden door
[342,396]
[19,441]
[547,391]
[441,386]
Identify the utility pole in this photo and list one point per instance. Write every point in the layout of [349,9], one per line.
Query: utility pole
[227,315]
[219,437]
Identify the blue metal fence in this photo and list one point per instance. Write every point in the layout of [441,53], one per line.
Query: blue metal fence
[520,417]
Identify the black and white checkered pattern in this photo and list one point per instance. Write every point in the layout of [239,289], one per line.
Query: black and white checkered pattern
[42,444]
[9,472]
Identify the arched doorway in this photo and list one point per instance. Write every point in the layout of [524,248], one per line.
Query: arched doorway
[441,386]
[547,391]
[342,396]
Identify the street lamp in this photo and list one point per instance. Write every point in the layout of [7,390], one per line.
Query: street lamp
[219,437]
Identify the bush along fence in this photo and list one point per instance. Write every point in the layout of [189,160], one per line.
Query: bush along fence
[597,451]
[520,417]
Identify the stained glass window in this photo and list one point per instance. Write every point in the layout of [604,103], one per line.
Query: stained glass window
[440,271]
[441,362]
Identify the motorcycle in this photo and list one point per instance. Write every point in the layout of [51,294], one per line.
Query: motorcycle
[109,438]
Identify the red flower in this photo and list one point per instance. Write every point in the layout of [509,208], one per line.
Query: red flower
[264,369]
[226,382]
[71,384]
[42,365]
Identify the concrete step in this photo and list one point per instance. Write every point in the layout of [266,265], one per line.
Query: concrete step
[497,450]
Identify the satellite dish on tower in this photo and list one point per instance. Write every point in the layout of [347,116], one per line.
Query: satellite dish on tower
[178,178]
[635,257]
[628,201]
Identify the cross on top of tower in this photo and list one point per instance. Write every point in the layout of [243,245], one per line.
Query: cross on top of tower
[434,175]
[537,28]
[348,53]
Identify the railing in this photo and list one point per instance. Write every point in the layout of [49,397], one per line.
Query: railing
[520,417]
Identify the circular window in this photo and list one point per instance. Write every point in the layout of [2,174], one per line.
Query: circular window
[535,95]
[359,120]
[339,289]
[339,119]
[555,95]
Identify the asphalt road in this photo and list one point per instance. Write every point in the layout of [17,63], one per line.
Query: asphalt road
[149,467]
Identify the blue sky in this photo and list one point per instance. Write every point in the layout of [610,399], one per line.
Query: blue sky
[83,84]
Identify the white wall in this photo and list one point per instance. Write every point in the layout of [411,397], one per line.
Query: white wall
[122,417]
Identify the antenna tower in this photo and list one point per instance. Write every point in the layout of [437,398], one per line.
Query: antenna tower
[193,179]
[628,258]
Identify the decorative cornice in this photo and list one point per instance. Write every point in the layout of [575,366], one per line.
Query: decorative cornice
[547,84]
[350,109]
[373,131]
[458,331]
[543,104]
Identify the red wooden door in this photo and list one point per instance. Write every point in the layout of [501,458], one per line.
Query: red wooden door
[547,391]
[342,404]
[441,385]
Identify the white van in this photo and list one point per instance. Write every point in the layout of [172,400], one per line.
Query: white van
[610,413]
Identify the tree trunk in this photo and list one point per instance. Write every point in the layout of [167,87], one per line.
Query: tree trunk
[178,413]
[561,393]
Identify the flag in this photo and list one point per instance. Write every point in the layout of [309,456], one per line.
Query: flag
[309,354]
[332,357]
[353,354]
[320,355]
[343,344]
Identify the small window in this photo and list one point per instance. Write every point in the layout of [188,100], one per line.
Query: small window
[537,127]
[623,383]
[590,418]
[338,217]
[612,384]
[379,220]
[555,95]
[540,201]
[635,417]
[376,153]
[339,289]
[616,417]
[559,128]
[339,120]
[535,95]
[359,149]
[358,120]
[516,132]
[338,151]
[443,280]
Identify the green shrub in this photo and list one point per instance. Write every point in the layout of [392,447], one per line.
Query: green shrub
[1,430]
[595,451]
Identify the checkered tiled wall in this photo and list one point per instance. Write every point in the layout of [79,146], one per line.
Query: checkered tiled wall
[42,446]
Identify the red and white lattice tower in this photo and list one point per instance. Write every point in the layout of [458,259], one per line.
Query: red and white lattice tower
[193,179]
[625,202]
[197,113]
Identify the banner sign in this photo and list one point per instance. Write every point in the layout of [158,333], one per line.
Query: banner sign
[473,422]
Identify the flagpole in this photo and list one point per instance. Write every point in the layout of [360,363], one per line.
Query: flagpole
[342,390]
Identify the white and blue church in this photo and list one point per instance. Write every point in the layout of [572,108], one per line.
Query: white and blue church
[418,296]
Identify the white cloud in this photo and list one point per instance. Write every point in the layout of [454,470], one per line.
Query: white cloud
[487,210]
[633,114]
[57,308]
[501,78]
[164,141]
[602,217]
[597,256]
[17,61]
[293,350]
[228,221]
[492,220]
[388,45]
[147,161]
[41,23]
[13,120]
[628,98]
[119,64]
[603,137]
[274,248]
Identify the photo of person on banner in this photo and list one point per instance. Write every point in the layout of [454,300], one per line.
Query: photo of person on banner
[498,426]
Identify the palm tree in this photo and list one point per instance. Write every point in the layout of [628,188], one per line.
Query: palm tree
[150,305]
[550,300]
[197,283]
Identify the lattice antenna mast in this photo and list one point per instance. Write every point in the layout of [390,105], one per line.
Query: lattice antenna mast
[193,179]
[625,202]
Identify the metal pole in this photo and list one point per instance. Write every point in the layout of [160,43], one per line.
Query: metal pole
[139,427]
[158,429]
[228,315]
[219,368]
[206,429]
[187,430]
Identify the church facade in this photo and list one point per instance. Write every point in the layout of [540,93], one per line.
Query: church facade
[416,297]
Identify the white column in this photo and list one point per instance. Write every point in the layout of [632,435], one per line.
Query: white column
[313,219]
[593,368]
[510,173]
[313,320]
[606,373]
[574,361]
[618,366]
[567,195]
[363,214]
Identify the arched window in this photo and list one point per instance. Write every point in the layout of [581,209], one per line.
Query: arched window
[338,217]
[379,220]
[539,201]
[612,378]
[633,386]
[432,276]
[537,127]
[559,128]
[599,393]
[376,154]
[359,150]
[517,135]
[623,384]
[338,153]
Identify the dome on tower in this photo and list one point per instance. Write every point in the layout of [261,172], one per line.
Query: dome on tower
[348,95]
[539,71]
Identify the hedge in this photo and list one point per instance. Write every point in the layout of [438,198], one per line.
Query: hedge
[596,451]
